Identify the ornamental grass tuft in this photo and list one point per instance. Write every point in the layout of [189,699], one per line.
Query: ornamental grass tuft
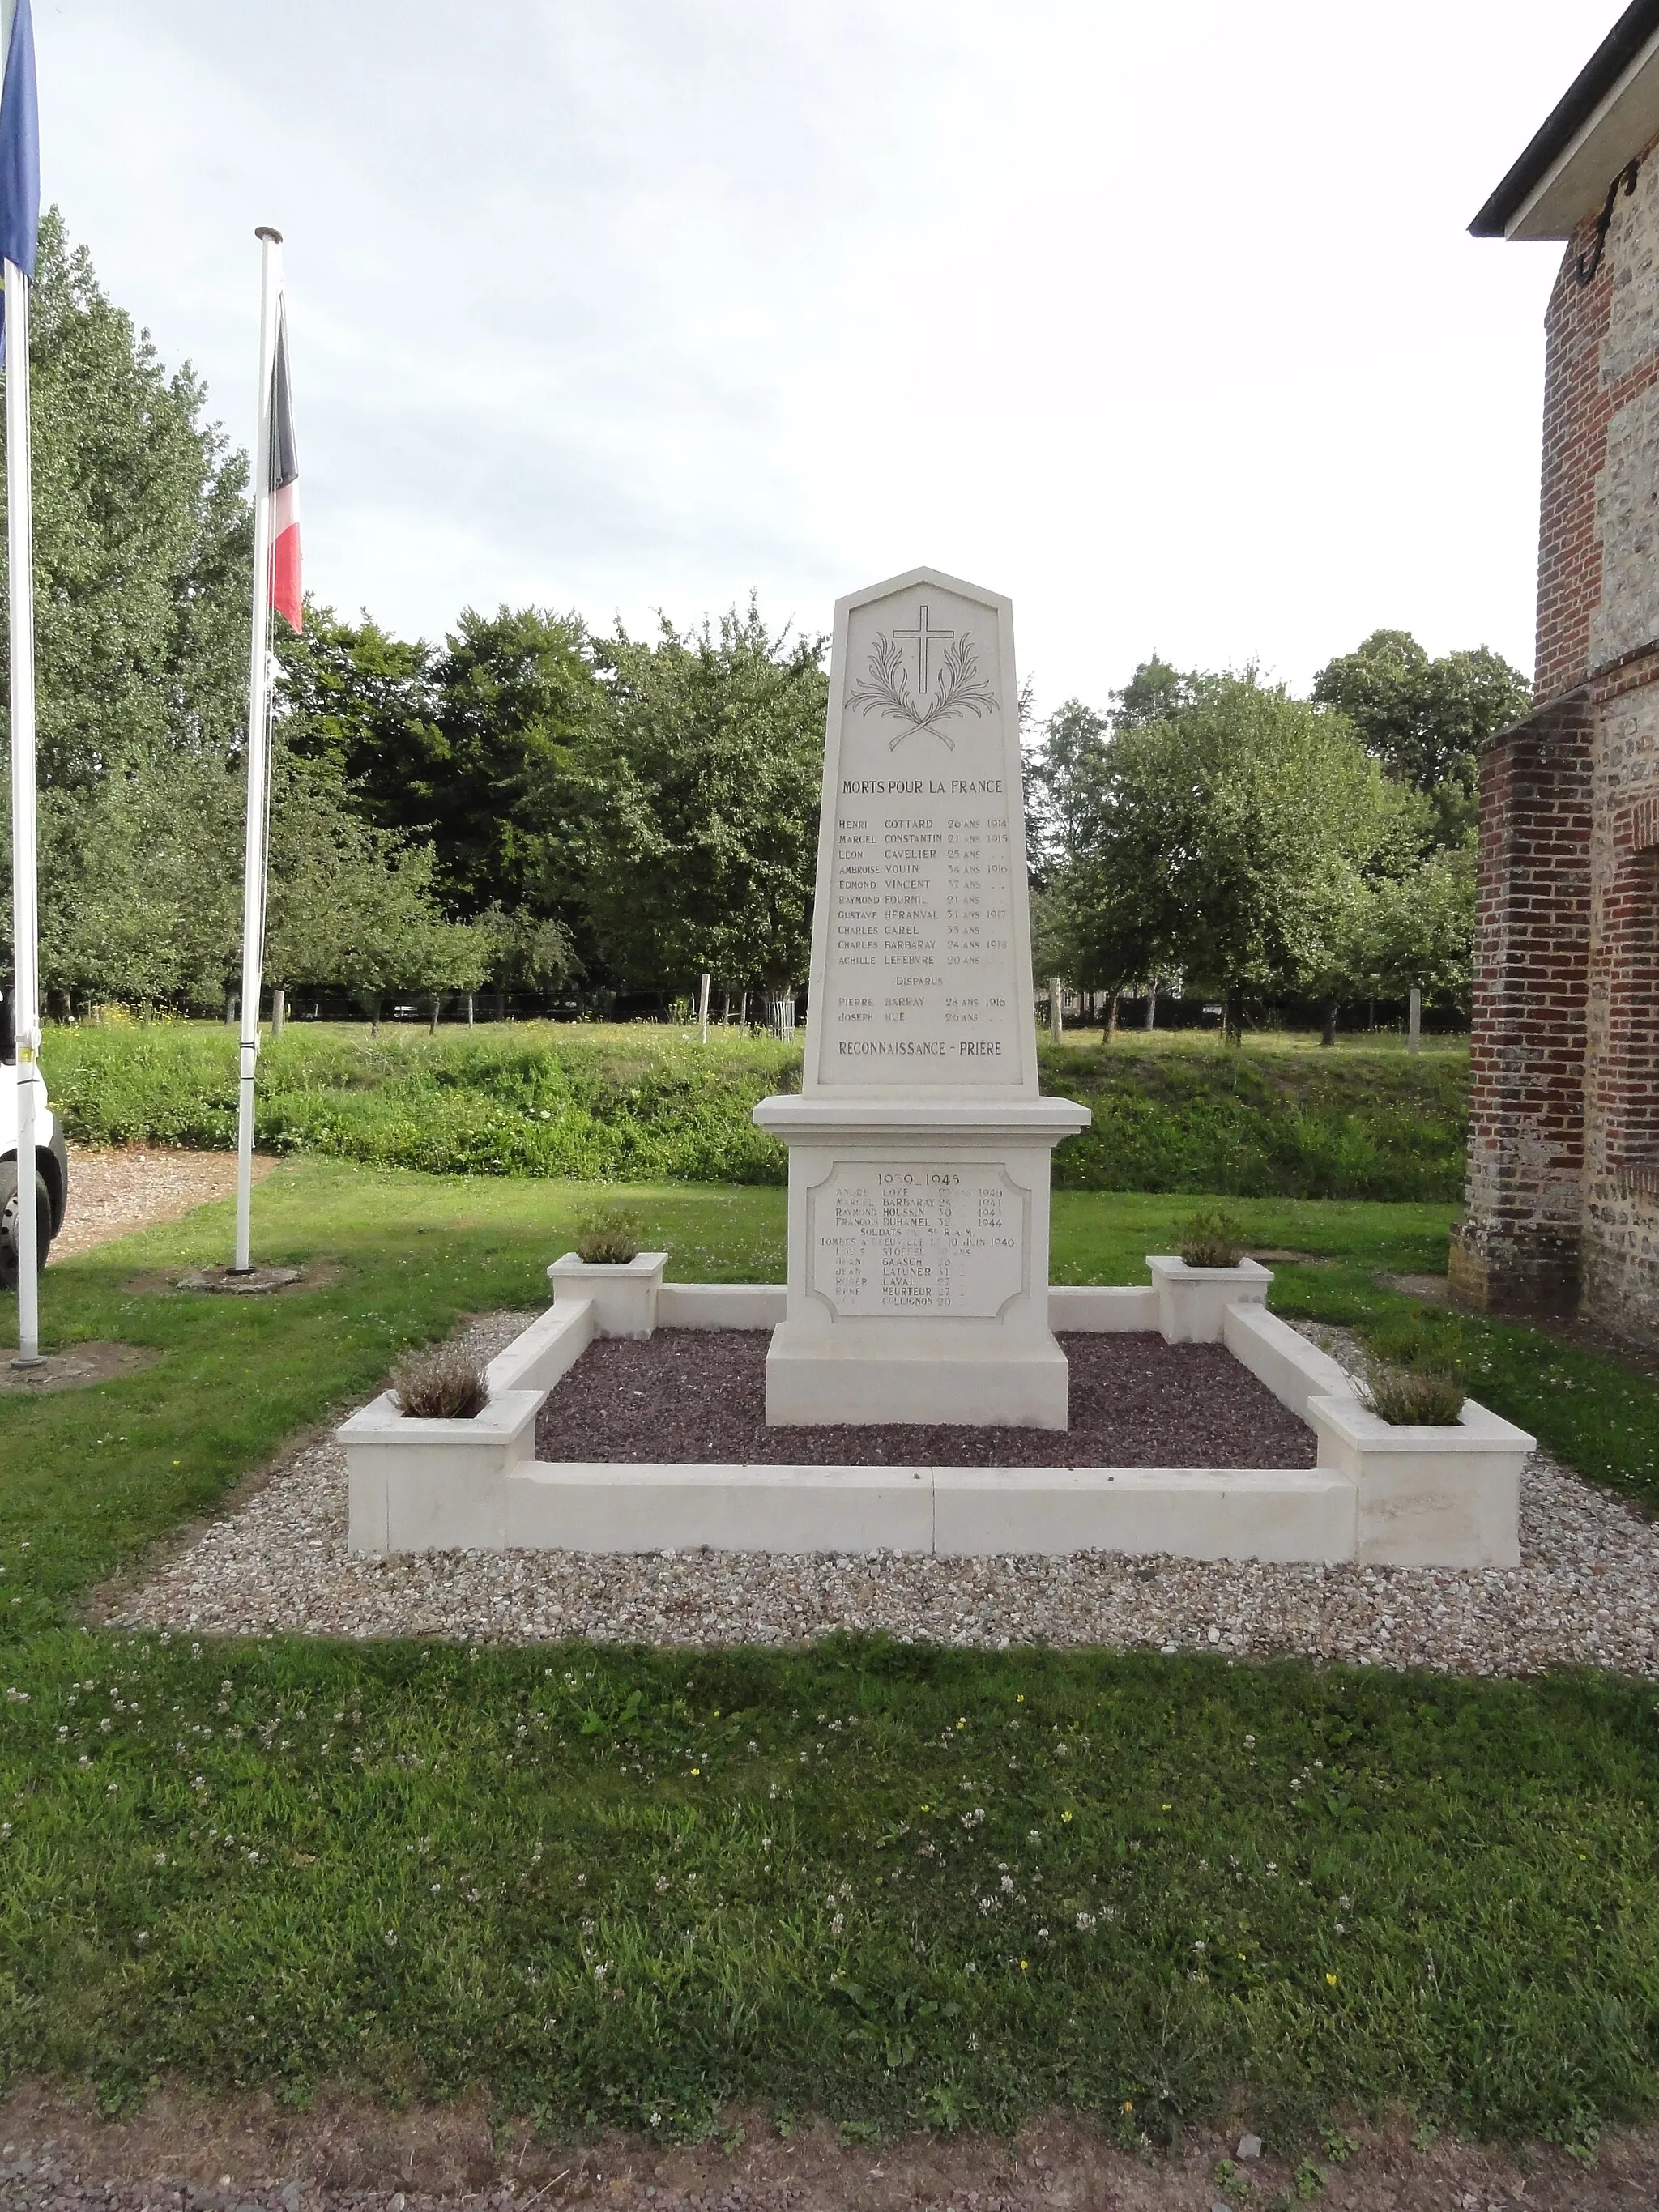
[442,1384]
[1415,1397]
[1212,1238]
[608,1237]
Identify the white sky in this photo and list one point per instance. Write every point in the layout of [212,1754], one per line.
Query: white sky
[1160,317]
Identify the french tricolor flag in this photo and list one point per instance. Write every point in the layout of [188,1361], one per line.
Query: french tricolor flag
[282,484]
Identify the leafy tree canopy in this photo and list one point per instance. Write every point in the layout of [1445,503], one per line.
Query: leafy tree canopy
[142,540]
[356,701]
[1157,692]
[1224,838]
[698,792]
[1424,720]
[1065,785]
[455,749]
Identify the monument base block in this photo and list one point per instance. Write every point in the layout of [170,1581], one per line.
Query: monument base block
[814,1387]
[918,1263]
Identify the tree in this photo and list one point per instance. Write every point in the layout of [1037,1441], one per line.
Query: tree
[530,952]
[1426,719]
[142,554]
[142,889]
[518,695]
[143,541]
[1157,692]
[1065,785]
[1085,923]
[1229,836]
[140,883]
[352,904]
[457,749]
[1420,930]
[360,703]
[695,815]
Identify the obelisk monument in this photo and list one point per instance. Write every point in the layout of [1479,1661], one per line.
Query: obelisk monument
[919,1147]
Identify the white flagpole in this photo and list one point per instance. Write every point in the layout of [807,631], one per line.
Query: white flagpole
[258,739]
[19,555]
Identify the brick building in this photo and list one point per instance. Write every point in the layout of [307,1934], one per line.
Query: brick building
[1562,1199]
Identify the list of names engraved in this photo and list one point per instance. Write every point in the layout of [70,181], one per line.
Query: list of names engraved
[891,1239]
[927,867]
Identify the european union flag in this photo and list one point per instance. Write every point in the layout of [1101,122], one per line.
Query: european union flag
[20,151]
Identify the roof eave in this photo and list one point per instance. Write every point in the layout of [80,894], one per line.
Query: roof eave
[1607,118]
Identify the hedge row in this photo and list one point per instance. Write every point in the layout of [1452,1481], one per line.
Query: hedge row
[652,1105]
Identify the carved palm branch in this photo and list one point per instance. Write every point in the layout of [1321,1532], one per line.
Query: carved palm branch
[886,688]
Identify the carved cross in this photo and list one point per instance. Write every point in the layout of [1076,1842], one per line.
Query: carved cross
[924,638]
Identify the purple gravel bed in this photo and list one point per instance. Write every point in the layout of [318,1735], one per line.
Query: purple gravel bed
[685,1395]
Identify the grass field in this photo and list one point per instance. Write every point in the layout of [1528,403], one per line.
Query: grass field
[891,1884]
[1172,1112]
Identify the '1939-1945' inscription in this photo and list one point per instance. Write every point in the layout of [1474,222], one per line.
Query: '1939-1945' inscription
[901,1238]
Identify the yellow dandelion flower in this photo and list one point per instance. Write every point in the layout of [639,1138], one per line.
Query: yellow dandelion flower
[1331,1978]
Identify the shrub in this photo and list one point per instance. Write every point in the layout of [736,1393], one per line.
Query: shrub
[608,1237]
[641,1104]
[1414,1397]
[445,1382]
[1212,1239]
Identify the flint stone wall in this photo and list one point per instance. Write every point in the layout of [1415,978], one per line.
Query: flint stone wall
[1562,1199]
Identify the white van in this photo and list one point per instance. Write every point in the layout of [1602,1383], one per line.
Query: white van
[50,1173]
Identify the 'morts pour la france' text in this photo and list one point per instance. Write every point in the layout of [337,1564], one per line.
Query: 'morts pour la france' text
[958,786]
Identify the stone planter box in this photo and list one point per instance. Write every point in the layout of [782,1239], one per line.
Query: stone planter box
[1293,1369]
[418,1485]
[1379,1495]
[1427,1497]
[624,1299]
[1192,1302]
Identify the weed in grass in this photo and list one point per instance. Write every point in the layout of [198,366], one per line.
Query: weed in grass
[445,1382]
[1212,1238]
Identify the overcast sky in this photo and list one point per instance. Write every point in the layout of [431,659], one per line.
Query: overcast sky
[1161,318]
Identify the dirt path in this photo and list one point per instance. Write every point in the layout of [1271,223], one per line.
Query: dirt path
[115,1190]
[182,2155]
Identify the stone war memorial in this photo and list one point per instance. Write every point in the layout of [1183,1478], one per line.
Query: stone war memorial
[918,1145]
[918,1384]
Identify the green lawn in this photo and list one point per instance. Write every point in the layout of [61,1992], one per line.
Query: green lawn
[610,1885]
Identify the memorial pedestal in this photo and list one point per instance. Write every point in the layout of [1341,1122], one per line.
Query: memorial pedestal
[918,1262]
[919,1144]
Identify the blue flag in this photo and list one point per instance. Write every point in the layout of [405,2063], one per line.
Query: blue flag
[20,152]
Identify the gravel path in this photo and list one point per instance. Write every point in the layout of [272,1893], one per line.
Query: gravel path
[113,1192]
[1587,1592]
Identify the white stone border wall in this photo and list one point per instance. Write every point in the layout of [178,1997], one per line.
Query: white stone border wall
[1444,1496]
